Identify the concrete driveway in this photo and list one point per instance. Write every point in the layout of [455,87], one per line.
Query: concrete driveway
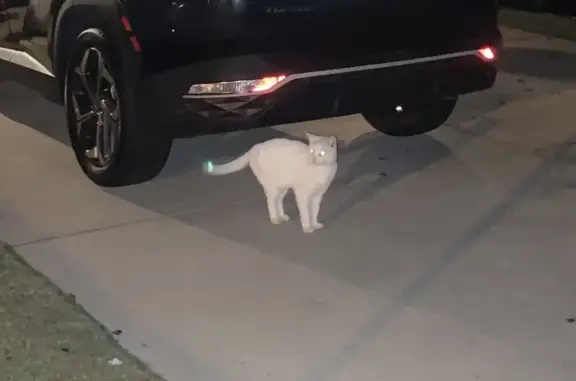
[448,257]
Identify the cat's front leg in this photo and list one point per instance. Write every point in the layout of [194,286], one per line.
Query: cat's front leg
[315,206]
[304,203]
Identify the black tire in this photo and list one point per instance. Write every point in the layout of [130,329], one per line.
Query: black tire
[414,119]
[113,146]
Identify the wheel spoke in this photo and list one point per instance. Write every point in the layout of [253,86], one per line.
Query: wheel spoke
[98,79]
[106,138]
[113,105]
[93,87]
[113,111]
[85,117]
[112,140]
[115,124]
[81,118]
[102,74]
[100,70]
[82,74]
[100,156]
[107,129]
[105,74]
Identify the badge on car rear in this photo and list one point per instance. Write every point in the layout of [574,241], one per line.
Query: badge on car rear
[288,9]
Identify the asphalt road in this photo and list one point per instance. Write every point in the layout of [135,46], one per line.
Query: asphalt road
[448,256]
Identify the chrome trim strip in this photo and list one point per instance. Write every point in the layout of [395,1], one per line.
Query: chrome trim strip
[24,59]
[345,70]
[21,58]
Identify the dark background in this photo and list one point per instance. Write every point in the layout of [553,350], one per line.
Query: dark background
[560,7]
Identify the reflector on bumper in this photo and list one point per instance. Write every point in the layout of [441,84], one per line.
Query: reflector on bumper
[487,53]
[244,87]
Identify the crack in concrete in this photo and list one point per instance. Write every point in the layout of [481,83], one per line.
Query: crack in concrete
[130,223]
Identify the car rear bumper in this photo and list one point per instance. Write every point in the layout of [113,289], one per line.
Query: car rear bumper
[308,94]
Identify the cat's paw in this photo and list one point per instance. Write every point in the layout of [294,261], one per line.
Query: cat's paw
[317,225]
[280,219]
[308,229]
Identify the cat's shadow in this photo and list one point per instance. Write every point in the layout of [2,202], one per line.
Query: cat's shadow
[374,161]
[367,164]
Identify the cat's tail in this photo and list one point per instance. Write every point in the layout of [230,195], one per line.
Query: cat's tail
[230,167]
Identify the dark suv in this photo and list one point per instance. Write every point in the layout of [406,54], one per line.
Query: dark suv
[135,74]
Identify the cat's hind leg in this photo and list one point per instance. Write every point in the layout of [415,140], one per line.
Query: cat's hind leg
[272,194]
[282,216]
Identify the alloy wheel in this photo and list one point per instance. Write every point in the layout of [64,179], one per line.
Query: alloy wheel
[96,108]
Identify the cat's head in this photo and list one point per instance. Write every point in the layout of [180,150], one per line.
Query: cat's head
[324,149]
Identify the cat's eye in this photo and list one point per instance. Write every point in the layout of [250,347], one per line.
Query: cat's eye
[322,153]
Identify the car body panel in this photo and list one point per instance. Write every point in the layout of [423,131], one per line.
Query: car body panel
[176,33]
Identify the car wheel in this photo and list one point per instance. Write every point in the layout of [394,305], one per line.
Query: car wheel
[112,145]
[413,119]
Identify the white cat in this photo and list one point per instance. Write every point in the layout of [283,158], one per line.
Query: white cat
[282,164]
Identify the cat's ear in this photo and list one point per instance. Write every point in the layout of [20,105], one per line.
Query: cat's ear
[312,138]
[333,141]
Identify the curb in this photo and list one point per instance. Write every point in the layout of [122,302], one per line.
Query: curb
[71,299]
[545,24]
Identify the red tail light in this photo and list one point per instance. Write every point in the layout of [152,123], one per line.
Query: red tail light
[487,53]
